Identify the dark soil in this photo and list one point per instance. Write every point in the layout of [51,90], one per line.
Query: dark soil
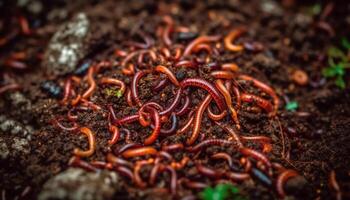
[316,134]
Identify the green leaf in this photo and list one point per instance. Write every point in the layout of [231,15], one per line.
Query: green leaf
[292,106]
[220,192]
[340,82]
[118,93]
[316,9]
[345,43]
[334,70]
[335,52]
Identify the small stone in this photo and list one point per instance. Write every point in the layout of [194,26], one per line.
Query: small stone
[20,145]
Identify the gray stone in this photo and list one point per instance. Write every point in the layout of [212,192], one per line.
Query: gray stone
[76,184]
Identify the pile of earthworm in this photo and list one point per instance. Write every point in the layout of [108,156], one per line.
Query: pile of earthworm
[157,158]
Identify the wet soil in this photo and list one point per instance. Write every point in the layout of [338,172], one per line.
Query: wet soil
[316,135]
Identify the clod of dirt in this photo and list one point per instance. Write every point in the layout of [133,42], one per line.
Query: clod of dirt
[298,186]
[14,127]
[68,46]
[4,151]
[76,184]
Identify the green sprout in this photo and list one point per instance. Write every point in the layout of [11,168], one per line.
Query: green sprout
[292,106]
[112,92]
[338,61]
[221,192]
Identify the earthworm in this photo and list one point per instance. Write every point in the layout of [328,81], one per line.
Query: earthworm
[259,138]
[186,126]
[230,67]
[185,107]
[92,143]
[115,134]
[201,83]
[165,52]
[12,86]
[126,120]
[142,151]
[247,164]
[24,25]
[198,119]
[71,117]
[237,176]
[173,127]
[202,47]
[125,171]
[238,97]
[120,53]
[138,180]
[173,105]
[15,64]
[221,87]
[228,40]
[114,81]
[164,154]
[173,179]
[76,100]
[117,161]
[155,133]
[134,83]
[181,164]
[218,74]
[129,70]
[334,185]
[166,71]
[73,128]
[127,135]
[173,147]
[77,162]
[216,117]
[234,135]
[90,104]
[67,90]
[195,185]
[178,52]
[225,156]
[160,85]
[264,88]
[101,164]
[262,103]
[168,28]
[154,172]
[282,179]
[92,83]
[199,40]
[129,98]
[186,63]
[261,176]
[209,142]
[126,147]
[256,155]
[208,171]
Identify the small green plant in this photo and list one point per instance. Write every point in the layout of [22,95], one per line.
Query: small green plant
[221,192]
[113,92]
[338,61]
[292,106]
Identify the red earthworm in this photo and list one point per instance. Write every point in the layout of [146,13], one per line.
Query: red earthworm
[114,81]
[238,97]
[237,176]
[264,88]
[210,142]
[154,135]
[173,147]
[134,83]
[165,70]
[12,86]
[154,172]
[230,67]
[216,117]
[173,127]
[282,179]
[178,52]
[196,185]
[225,156]
[173,104]
[24,25]
[138,180]
[198,82]
[208,171]
[181,164]
[221,87]
[222,74]
[126,120]
[142,151]
[73,128]
[259,138]
[173,179]
[199,40]
[77,162]
[115,135]
[92,83]
[92,143]
[185,107]
[247,164]
[262,103]
[127,135]
[165,52]
[15,64]
[76,100]
[333,184]
[126,147]
[101,164]
[234,135]
[129,70]
[164,154]
[67,90]
[198,120]
[71,117]
[186,63]
[117,161]
[90,104]
[125,171]
[186,126]
[168,28]
[228,40]
[120,53]
[160,85]
[129,98]
[102,64]
[256,155]
[202,47]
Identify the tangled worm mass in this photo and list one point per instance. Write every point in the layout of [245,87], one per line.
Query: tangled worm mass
[167,62]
